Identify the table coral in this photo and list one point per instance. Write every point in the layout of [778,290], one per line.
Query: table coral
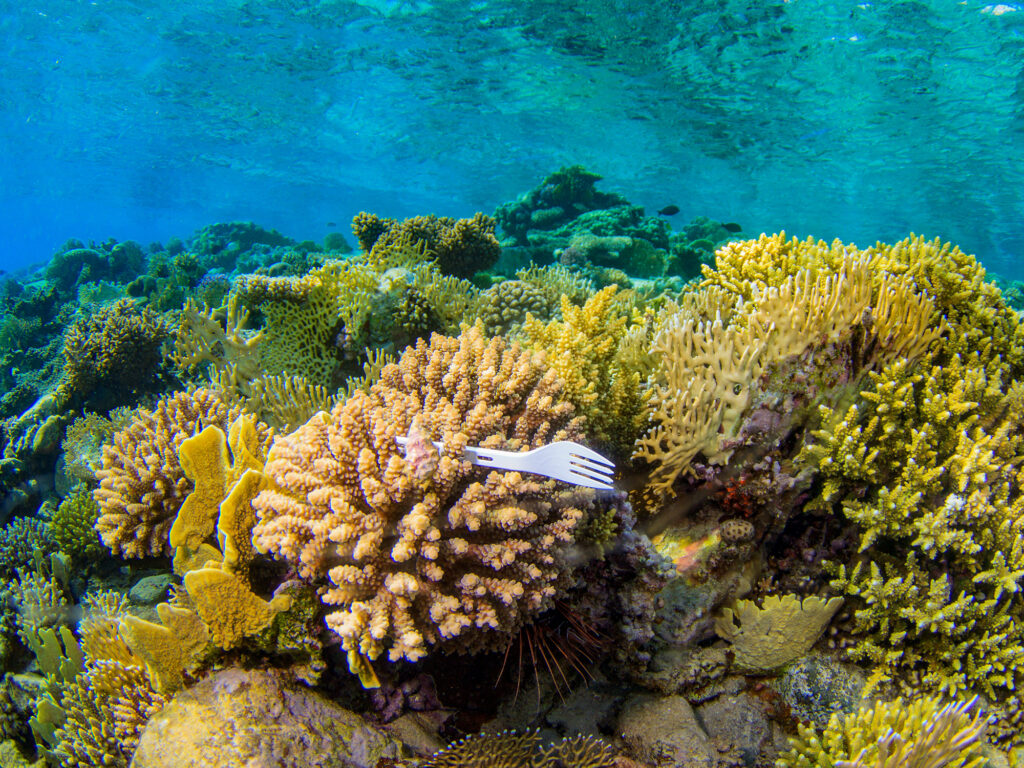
[142,483]
[460,557]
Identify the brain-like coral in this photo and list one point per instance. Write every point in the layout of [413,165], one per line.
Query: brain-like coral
[116,348]
[142,483]
[424,548]
[505,306]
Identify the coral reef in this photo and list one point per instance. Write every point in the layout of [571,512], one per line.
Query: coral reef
[421,555]
[115,351]
[142,483]
[461,247]
[520,750]
[898,734]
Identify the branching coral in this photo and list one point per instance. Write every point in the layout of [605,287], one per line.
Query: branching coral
[919,734]
[142,484]
[461,247]
[73,525]
[115,348]
[217,337]
[98,695]
[927,465]
[585,349]
[708,373]
[432,551]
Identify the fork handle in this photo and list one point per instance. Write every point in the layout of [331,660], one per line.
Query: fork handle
[483,457]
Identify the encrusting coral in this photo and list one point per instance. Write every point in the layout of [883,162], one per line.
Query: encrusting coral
[775,634]
[923,733]
[142,483]
[424,548]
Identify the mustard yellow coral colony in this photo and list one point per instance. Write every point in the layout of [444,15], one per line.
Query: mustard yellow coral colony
[825,439]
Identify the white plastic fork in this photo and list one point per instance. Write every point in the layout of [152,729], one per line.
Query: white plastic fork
[564,460]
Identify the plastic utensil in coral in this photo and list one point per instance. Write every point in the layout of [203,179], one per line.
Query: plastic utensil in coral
[564,460]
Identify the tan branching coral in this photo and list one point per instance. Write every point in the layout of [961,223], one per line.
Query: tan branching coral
[456,556]
[142,483]
[704,387]
[781,630]
[281,402]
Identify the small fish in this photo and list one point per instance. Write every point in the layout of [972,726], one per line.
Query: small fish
[732,227]
[331,224]
[669,210]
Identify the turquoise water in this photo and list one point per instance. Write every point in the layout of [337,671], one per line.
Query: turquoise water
[862,121]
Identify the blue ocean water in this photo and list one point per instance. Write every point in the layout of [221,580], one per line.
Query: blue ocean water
[858,120]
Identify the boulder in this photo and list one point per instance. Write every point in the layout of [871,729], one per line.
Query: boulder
[258,719]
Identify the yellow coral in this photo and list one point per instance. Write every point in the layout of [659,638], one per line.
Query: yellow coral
[169,648]
[919,734]
[229,608]
[461,555]
[142,483]
[584,349]
[775,634]
[218,337]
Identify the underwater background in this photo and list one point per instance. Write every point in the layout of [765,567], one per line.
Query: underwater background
[862,121]
[538,385]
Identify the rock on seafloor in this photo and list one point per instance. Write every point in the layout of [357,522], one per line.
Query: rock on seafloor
[257,719]
[663,731]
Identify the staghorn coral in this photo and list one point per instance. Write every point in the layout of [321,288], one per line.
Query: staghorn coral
[117,348]
[142,484]
[927,466]
[775,634]
[523,750]
[459,557]
[920,734]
